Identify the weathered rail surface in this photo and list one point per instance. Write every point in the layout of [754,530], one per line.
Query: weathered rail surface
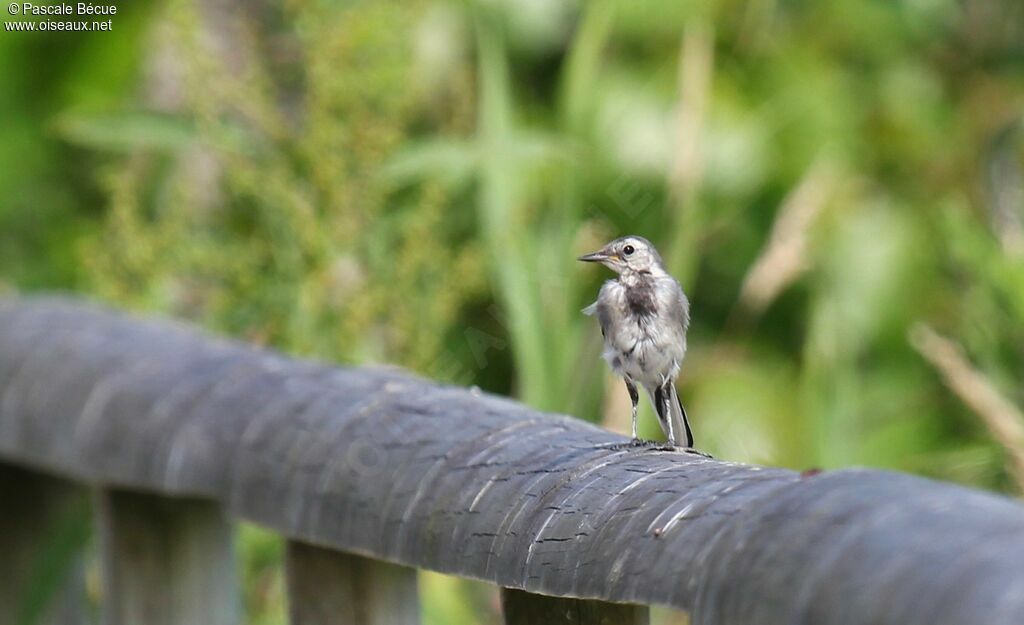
[390,468]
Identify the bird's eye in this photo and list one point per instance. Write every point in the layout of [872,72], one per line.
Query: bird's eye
[628,250]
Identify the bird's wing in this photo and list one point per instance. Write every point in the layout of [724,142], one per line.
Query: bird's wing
[679,307]
[604,314]
[600,308]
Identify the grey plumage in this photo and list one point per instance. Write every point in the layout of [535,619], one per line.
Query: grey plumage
[644,316]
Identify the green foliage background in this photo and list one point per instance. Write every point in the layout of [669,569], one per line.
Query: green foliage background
[409,182]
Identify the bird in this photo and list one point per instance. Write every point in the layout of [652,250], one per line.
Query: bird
[644,315]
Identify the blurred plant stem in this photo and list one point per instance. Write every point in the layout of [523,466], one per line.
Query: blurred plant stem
[696,69]
[583,66]
[1004,420]
[785,255]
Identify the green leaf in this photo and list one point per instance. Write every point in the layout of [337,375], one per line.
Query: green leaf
[126,132]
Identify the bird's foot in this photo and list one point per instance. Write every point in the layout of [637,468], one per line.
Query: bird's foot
[695,452]
[635,443]
[685,450]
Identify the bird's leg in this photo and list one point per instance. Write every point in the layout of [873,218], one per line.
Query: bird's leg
[634,397]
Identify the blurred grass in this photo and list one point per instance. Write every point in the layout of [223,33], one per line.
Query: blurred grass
[409,182]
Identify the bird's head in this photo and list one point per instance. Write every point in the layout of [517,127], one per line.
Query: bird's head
[630,254]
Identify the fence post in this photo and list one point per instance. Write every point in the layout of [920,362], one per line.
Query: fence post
[525,608]
[333,588]
[166,561]
[43,525]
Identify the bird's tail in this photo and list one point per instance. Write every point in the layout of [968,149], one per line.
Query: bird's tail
[676,413]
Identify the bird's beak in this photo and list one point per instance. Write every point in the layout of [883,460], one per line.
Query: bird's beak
[597,257]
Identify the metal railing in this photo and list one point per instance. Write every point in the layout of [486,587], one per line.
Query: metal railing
[370,474]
